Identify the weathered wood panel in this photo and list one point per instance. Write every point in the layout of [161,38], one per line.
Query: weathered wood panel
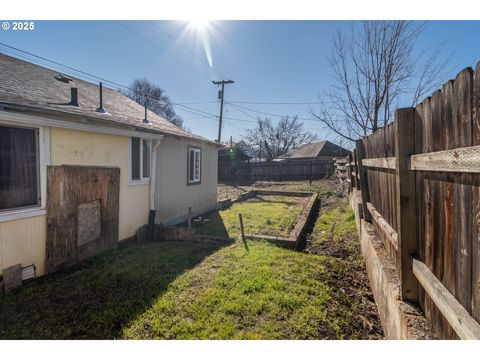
[444,206]
[447,186]
[476,202]
[384,226]
[464,325]
[292,169]
[68,187]
[381,163]
[465,160]
[380,154]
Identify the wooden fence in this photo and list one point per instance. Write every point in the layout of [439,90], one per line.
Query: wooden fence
[346,172]
[420,184]
[292,169]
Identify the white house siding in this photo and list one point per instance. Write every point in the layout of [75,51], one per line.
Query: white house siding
[72,147]
[173,195]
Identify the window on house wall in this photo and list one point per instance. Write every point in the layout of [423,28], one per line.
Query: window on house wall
[140,152]
[19,168]
[194,165]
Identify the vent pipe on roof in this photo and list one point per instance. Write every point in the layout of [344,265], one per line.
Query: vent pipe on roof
[74,96]
[145,120]
[100,109]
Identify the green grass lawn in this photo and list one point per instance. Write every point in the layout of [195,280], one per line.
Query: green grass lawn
[209,290]
[266,215]
[99,297]
[233,189]
[264,293]
[335,230]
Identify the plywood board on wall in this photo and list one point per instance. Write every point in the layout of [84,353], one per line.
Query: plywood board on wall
[72,190]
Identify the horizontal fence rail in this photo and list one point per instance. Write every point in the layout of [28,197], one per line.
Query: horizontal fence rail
[389,232]
[464,325]
[382,163]
[419,179]
[465,159]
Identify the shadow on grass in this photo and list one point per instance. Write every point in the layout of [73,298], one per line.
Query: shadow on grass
[214,227]
[97,298]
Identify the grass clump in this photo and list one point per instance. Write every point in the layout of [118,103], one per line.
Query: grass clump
[265,293]
[335,231]
[267,215]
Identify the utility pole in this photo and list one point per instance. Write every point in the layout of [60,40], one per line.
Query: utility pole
[221,82]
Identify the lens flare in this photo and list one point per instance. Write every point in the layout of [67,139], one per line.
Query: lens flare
[202,28]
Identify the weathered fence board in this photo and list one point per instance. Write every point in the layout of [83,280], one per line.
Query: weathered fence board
[465,160]
[442,169]
[381,163]
[464,325]
[292,169]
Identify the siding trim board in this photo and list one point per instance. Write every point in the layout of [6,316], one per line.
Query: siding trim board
[43,121]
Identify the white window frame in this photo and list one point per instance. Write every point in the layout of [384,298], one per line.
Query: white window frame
[142,180]
[196,150]
[44,160]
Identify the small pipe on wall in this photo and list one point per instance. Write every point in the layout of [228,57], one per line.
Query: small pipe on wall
[153,175]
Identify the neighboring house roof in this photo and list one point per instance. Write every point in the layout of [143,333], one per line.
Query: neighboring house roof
[321,148]
[26,85]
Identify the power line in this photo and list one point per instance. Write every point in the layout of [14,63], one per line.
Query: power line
[280,116]
[181,105]
[186,108]
[281,103]
[243,112]
[65,66]
[160,49]
[171,37]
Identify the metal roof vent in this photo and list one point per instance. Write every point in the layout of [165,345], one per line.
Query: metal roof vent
[63,78]
[145,120]
[100,109]
[73,96]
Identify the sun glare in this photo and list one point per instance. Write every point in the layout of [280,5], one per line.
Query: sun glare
[202,28]
[199,25]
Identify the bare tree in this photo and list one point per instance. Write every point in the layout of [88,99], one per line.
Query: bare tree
[273,140]
[154,98]
[373,68]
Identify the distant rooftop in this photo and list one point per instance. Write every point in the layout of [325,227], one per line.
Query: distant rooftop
[321,148]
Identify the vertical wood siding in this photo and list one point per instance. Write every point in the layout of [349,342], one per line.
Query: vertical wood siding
[173,195]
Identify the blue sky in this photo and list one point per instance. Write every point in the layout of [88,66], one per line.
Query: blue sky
[270,62]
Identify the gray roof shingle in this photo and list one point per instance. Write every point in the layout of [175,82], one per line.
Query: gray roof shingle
[321,148]
[29,85]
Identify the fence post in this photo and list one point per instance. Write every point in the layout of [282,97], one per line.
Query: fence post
[362,172]
[189,217]
[355,160]
[242,233]
[349,172]
[407,221]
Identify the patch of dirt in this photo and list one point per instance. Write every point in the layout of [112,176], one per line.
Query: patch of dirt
[349,275]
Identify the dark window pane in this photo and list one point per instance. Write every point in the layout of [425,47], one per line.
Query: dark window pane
[135,158]
[191,164]
[146,159]
[197,165]
[18,167]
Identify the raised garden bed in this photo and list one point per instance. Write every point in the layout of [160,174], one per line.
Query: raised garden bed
[278,216]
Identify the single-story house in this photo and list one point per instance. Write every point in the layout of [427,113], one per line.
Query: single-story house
[315,151]
[81,163]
